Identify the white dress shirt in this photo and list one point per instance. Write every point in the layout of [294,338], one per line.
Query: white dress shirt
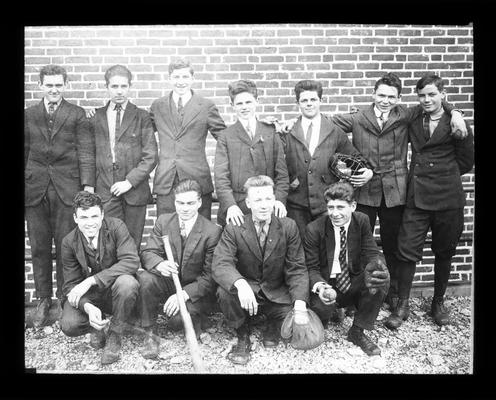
[252,122]
[188,225]
[93,242]
[314,141]
[186,97]
[46,102]
[111,116]
[385,116]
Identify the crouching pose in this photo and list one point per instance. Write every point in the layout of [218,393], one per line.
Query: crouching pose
[193,239]
[260,266]
[99,258]
[345,266]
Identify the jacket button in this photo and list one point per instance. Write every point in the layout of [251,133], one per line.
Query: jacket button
[306,161]
[310,171]
[431,164]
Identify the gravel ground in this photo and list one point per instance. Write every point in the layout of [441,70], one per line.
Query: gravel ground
[418,347]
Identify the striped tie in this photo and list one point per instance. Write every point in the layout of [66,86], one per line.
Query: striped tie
[343,281]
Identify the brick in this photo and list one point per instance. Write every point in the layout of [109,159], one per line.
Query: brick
[348,40]
[289,49]
[267,67]
[409,32]
[434,32]
[288,32]
[38,60]
[397,40]
[340,49]
[56,33]
[29,33]
[96,42]
[361,32]
[458,32]
[263,32]
[305,41]
[345,57]
[336,32]
[241,67]
[386,32]
[77,60]
[314,49]
[373,40]
[458,49]
[352,75]
[366,66]
[434,49]
[361,49]
[411,49]
[43,42]
[276,42]
[110,51]
[189,50]
[164,50]
[83,33]
[70,42]
[420,41]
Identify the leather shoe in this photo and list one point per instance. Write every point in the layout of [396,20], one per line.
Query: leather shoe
[399,315]
[111,352]
[97,339]
[359,338]
[40,315]
[439,311]
[271,335]
[240,353]
[151,345]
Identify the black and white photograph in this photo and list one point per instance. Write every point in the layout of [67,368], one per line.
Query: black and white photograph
[249,199]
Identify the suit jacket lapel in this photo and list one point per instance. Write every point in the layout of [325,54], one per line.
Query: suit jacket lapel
[40,120]
[191,110]
[192,241]
[167,116]
[175,239]
[352,242]
[250,237]
[102,122]
[325,129]
[103,240]
[242,134]
[370,116]
[297,132]
[441,129]
[272,237]
[129,115]
[79,249]
[61,115]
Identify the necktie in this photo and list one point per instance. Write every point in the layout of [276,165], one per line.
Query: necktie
[114,134]
[343,281]
[381,120]
[180,108]
[90,244]
[182,227]
[427,130]
[308,137]
[248,130]
[51,108]
[261,234]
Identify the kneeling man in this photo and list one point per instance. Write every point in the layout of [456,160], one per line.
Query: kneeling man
[100,260]
[193,239]
[260,266]
[345,266]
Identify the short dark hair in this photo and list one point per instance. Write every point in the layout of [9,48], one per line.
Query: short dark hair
[430,79]
[340,191]
[53,69]
[389,79]
[188,185]
[308,85]
[179,64]
[85,200]
[118,70]
[242,86]
[258,181]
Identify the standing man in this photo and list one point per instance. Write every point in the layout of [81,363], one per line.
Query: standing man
[100,261]
[126,153]
[380,134]
[340,250]
[308,146]
[183,120]
[247,148]
[59,160]
[260,265]
[435,198]
[193,239]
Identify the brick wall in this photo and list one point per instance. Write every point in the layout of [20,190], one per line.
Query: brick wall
[347,59]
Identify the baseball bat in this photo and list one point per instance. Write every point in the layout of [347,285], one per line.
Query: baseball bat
[189,331]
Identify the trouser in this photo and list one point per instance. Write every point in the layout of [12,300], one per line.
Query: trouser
[302,216]
[390,221]
[50,219]
[236,316]
[368,305]
[119,300]
[156,289]
[446,227]
[132,216]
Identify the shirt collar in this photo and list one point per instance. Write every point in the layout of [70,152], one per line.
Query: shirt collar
[123,105]
[95,239]
[378,113]
[46,102]
[252,122]
[186,97]
[188,225]
[346,226]
[257,222]
[306,121]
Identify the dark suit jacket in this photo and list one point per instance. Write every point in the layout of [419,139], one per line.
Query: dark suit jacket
[309,175]
[182,148]
[237,158]
[434,181]
[67,158]
[135,153]
[280,272]
[195,263]
[319,245]
[119,256]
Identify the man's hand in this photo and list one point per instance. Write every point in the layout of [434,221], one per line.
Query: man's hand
[171,306]
[121,187]
[286,126]
[95,316]
[167,268]
[326,294]
[300,312]
[280,209]
[235,216]
[246,297]
[458,127]
[89,189]
[79,291]
[89,112]
[363,178]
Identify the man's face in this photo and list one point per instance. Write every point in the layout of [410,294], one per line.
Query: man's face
[385,97]
[260,200]
[431,98]
[118,89]
[89,221]
[340,211]
[187,205]
[309,104]
[53,87]
[181,81]
[244,105]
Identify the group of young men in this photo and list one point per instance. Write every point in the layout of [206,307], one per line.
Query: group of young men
[290,235]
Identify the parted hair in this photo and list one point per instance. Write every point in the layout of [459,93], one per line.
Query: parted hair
[389,79]
[258,181]
[85,200]
[242,86]
[340,191]
[118,70]
[430,79]
[53,69]
[308,85]
[179,64]
[188,185]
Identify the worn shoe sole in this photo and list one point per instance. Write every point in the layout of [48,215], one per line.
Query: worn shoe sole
[374,352]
